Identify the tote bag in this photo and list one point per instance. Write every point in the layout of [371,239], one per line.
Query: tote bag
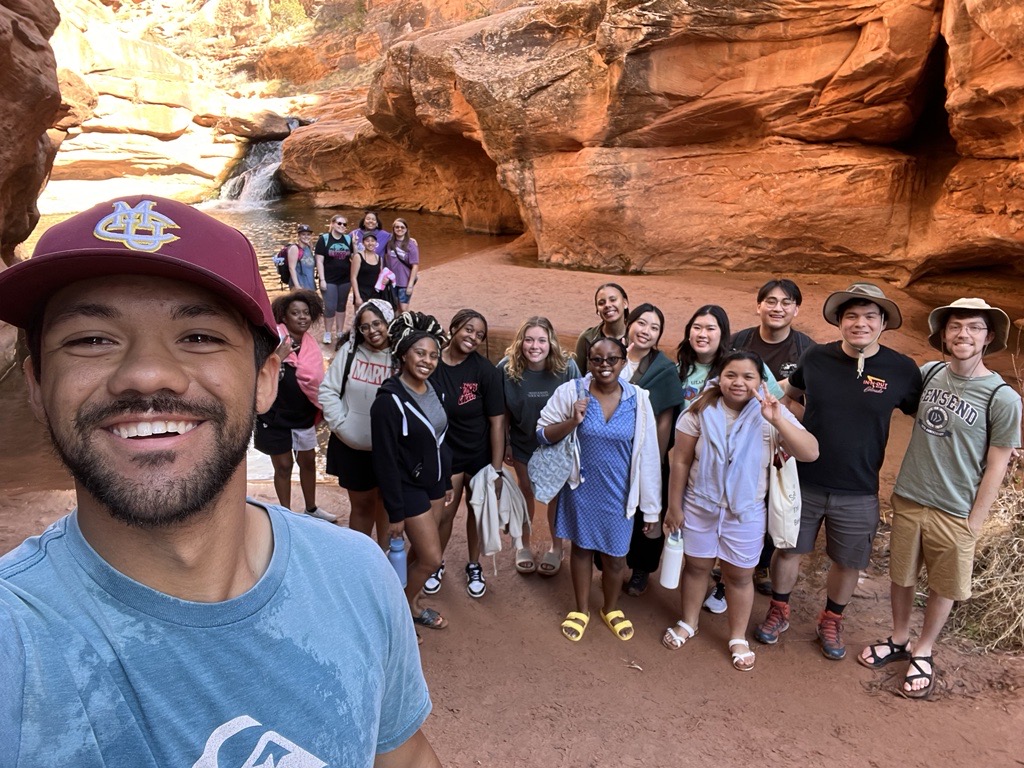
[783,497]
[550,465]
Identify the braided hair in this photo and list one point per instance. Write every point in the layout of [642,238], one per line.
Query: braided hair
[409,327]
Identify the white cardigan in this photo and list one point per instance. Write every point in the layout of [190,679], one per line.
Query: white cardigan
[645,464]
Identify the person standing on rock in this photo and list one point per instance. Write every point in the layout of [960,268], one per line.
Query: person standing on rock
[168,619]
[967,426]
[780,346]
[334,264]
[852,386]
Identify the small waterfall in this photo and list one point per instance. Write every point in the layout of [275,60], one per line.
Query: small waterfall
[254,179]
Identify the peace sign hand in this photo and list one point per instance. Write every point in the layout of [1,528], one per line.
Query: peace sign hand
[771,409]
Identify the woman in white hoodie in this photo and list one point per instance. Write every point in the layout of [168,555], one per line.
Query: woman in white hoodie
[349,388]
[618,468]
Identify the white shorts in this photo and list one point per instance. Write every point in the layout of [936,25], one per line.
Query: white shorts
[719,533]
[304,439]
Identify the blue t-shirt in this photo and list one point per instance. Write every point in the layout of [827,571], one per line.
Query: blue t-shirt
[316,665]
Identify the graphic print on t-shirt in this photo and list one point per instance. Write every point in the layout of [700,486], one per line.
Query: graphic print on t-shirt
[941,407]
[270,749]
[468,392]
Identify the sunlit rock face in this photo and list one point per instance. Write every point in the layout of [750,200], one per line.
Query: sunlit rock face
[755,135]
[137,116]
[29,101]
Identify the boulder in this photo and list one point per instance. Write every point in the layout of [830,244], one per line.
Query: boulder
[29,102]
[731,208]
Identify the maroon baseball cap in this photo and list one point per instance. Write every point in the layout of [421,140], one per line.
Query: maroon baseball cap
[139,235]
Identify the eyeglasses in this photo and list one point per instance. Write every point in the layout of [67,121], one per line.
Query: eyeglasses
[376,325]
[340,223]
[614,360]
[975,329]
[771,301]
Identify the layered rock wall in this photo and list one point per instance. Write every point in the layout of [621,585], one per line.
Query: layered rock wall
[762,135]
[140,117]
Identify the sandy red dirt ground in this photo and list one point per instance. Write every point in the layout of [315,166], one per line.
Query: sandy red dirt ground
[508,690]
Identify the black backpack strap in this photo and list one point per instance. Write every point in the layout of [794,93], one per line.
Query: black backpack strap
[988,413]
[346,372]
[742,338]
[931,373]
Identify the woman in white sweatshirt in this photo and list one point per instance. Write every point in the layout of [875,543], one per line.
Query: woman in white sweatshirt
[349,388]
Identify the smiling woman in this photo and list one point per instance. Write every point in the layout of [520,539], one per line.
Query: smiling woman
[290,423]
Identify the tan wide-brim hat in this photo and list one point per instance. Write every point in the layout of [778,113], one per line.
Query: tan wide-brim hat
[998,322]
[869,292]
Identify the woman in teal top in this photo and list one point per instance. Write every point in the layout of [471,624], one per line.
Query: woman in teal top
[649,368]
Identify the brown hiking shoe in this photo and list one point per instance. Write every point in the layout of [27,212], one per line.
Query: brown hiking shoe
[830,633]
[775,623]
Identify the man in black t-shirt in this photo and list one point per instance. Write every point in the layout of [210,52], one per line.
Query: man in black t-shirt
[852,386]
[333,253]
[774,339]
[780,346]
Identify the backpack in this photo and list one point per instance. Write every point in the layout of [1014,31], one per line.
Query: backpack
[280,260]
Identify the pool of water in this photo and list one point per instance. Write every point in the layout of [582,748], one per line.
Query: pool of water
[271,225]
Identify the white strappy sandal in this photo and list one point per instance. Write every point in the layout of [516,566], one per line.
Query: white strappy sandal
[675,640]
[743,661]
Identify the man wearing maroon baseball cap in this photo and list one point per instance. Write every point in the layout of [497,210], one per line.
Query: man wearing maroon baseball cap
[168,619]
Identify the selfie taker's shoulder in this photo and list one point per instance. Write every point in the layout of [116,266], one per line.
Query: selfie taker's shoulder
[336,543]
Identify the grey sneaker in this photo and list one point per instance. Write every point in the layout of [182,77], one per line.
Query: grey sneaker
[715,602]
[322,514]
[433,583]
[475,585]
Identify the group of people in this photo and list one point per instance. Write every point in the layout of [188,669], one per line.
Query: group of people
[155,353]
[369,262]
[664,447]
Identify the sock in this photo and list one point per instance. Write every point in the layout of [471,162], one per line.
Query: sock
[833,607]
[781,597]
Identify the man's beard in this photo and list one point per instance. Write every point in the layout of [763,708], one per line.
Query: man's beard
[153,505]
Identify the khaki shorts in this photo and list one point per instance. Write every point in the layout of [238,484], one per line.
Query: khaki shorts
[942,542]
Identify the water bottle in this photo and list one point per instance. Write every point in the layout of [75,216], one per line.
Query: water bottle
[672,561]
[396,554]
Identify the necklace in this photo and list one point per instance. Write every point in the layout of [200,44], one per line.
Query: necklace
[951,376]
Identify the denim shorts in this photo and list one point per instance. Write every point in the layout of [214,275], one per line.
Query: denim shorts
[404,296]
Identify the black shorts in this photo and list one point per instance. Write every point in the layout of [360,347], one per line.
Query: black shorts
[416,500]
[352,467]
[272,441]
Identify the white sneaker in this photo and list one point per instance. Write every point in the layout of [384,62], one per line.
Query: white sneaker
[475,585]
[327,338]
[715,602]
[322,514]
[433,584]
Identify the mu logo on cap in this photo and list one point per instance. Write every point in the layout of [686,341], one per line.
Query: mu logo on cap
[139,228]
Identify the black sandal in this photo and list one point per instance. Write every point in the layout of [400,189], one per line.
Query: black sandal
[920,674]
[896,653]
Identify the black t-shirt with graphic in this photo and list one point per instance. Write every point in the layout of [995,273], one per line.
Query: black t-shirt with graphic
[850,415]
[337,253]
[473,392]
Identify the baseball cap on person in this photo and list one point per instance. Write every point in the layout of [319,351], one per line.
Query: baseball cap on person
[303,228]
[138,235]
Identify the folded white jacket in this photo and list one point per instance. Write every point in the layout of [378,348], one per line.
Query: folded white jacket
[493,515]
